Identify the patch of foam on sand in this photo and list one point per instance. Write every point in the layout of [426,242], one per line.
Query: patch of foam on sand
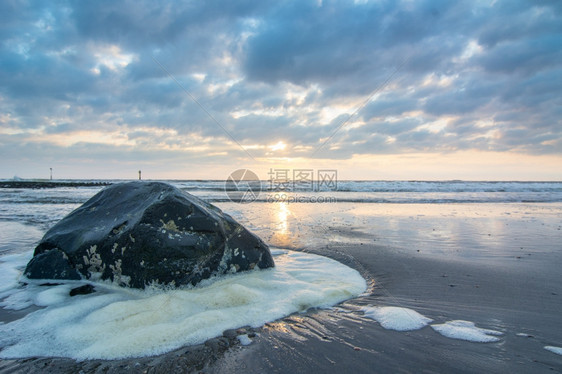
[395,318]
[118,323]
[244,339]
[466,330]
[557,350]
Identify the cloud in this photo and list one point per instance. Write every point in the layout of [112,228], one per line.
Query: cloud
[373,77]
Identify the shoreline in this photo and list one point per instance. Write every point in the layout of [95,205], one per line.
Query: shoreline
[50,184]
[475,266]
[343,339]
[187,359]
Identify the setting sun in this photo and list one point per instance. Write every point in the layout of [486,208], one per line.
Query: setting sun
[279,146]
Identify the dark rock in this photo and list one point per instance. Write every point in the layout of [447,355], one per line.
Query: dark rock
[217,343]
[51,264]
[82,290]
[230,334]
[142,233]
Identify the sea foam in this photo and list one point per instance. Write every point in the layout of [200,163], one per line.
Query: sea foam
[10,269]
[395,318]
[118,323]
[557,350]
[466,330]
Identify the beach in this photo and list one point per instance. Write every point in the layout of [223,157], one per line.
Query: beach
[281,187]
[496,265]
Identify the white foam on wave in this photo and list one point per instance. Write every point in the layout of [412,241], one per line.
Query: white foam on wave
[52,295]
[466,330]
[117,323]
[11,267]
[557,350]
[17,300]
[395,318]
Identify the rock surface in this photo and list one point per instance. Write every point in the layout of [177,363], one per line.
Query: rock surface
[82,290]
[146,233]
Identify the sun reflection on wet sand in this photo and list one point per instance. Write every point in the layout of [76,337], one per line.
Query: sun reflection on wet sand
[457,231]
[282,235]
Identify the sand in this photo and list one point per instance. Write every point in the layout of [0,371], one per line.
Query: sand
[344,341]
[496,266]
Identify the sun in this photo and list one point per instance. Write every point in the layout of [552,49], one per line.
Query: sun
[279,146]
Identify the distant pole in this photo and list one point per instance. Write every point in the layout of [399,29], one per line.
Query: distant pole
[51,173]
[139,175]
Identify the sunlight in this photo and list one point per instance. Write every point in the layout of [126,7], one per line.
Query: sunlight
[281,236]
[279,146]
[282,215]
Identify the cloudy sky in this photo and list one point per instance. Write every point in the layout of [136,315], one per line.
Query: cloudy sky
[377,89]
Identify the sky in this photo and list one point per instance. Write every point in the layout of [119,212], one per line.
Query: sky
[426,90]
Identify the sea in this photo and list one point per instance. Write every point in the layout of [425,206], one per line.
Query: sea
[26,213]
[425,212]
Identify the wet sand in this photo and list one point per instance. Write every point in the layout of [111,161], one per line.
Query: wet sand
[497,266]
[345,341]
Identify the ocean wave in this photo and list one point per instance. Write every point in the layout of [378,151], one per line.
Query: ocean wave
[387,201]
[382,192]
